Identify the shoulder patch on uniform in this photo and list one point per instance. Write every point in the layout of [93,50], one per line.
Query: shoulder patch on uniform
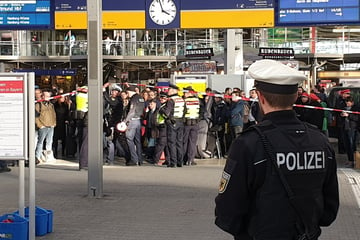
[224,182]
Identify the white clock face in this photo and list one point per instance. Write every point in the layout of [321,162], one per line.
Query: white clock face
[162,12]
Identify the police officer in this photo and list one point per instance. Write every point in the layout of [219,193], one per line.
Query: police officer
[219,113]
[191,128]
[174,111]
[133,121]
[253,202]
[82,125]
[113,107]
[161,139]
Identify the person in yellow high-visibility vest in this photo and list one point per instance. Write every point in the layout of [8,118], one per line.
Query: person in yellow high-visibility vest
[191,127]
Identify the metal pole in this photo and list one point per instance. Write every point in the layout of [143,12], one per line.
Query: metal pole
[95,151]
[31,150]
[22,187]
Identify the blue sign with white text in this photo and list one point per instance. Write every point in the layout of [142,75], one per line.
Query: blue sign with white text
[227,4]
[70,5]
[315,12]
[107,5]
[51,72]
[26,15]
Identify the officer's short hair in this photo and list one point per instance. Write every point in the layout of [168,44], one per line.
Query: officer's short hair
[280,100]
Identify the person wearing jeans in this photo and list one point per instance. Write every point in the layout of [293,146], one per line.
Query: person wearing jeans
[45,123]
[44,133]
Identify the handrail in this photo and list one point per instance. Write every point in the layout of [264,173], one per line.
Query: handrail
[110,48]
[170,48]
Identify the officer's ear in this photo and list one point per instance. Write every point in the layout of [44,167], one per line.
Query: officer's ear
[261,98]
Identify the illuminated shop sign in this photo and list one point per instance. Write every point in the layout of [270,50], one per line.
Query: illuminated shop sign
[276,53]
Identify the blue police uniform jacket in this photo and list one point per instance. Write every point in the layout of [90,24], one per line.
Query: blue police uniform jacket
[252,202]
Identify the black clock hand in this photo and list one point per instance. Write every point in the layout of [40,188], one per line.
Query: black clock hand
[162,9]
[166,12]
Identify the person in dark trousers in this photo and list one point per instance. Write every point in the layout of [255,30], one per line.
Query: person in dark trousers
[236,120]
[133,121]
[350,126]
[341,104]
[82,126]
[191,128]
[113,108]
[4,167]
[150,129]
[161,135]
[253,202]
[174,111]
[61,107]
[219,113]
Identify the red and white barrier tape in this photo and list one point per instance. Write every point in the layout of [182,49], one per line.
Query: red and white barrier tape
[85,90]
[326,109]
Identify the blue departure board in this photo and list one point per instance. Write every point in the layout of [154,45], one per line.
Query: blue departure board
[26,14]
[227,4]
[107,5]
[317,12]
[70,5]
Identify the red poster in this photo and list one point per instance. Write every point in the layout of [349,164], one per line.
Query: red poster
[11,86]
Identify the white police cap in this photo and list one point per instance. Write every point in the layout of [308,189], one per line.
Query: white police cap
[275,77]
[116,87]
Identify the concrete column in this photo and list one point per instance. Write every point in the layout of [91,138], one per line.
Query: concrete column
[233,60]
[95,160]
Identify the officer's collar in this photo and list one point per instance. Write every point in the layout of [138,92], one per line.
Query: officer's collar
[284,116]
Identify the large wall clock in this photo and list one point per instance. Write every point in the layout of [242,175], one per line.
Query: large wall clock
[161,14]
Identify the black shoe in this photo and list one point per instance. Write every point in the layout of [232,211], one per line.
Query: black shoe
[171,166]
[179,165]
[165,163]
[130,164]
[349,164]
[13,163]
[6,169]
[150,161]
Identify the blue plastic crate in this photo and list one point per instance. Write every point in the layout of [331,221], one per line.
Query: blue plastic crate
[43,220]
[16,228]
[50,220]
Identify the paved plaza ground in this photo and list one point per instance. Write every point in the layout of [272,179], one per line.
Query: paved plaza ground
[151,203]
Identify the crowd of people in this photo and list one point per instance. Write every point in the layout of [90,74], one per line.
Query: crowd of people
[346,121]
[164,128]
[159,127]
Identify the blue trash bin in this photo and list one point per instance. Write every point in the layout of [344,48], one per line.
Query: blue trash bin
[14,227]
